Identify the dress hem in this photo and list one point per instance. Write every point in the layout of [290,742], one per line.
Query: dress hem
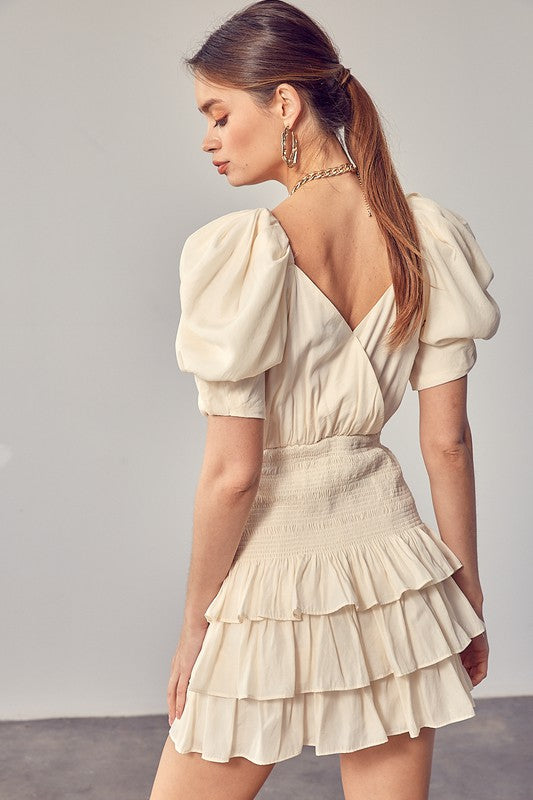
[434,725]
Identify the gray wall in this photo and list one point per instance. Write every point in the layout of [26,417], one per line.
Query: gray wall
[100,438]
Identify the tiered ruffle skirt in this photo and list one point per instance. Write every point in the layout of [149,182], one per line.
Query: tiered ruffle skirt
[338,623]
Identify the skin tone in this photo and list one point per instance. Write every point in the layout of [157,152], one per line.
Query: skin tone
[248,138]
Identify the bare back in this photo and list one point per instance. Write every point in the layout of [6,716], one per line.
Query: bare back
[338,246]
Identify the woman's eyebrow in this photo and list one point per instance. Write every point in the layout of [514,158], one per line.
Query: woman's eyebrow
[207,105]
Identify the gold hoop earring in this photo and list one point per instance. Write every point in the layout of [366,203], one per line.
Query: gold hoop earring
[289,159]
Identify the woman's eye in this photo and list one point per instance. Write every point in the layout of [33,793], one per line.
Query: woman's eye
[221,122]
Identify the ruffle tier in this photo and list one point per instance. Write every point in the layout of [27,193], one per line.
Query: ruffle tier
[371,570]
[346,649]
[339,650]
[268,731]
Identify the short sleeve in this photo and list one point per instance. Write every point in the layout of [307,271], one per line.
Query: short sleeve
[234,281]
[459,308]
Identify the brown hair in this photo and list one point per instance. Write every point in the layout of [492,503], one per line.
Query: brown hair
[271,42]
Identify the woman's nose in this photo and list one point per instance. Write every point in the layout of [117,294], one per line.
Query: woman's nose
[209,143]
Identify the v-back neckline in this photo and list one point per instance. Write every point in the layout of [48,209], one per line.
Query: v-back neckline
[331,304]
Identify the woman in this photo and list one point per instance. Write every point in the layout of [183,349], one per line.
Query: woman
[321,610]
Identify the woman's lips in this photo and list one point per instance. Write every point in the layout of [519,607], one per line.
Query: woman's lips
[222,168]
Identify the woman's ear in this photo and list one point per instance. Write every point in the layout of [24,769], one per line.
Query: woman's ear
[288,104]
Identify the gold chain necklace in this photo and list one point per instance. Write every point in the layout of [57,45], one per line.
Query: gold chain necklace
[328,173]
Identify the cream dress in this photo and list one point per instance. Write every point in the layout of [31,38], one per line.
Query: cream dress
[339,622]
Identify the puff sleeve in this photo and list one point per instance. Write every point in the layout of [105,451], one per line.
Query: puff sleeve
[459,308]
[234,310]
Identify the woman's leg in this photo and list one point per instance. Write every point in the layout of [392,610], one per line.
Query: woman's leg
[399,769]
[188,776]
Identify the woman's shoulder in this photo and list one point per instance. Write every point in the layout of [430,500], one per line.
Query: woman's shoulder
[243,249]
[435,218]
[234,282]
[460,308]
[453,253]
[247,225]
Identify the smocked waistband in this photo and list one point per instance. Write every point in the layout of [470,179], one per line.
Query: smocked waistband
[344,442]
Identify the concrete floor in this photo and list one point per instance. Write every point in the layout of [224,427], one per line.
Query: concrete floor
[488,757]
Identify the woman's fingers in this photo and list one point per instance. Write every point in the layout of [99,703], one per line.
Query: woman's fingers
[171,697]
[181,694]
[182,664]
[478,671]
[176,695]
[475,658]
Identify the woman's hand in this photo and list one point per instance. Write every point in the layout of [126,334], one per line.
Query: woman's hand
[190,643]
[475,658]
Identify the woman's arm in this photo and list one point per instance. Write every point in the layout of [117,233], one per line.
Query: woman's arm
[446,444]
[226,489]
[227,486]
